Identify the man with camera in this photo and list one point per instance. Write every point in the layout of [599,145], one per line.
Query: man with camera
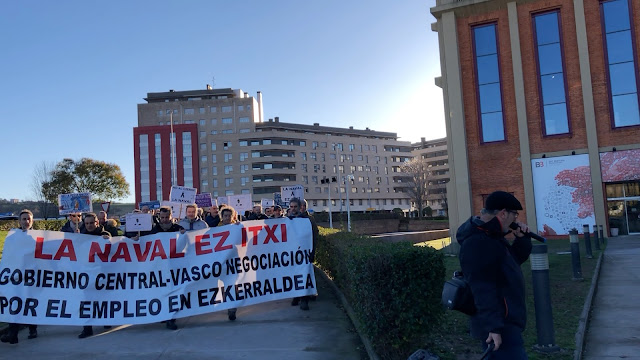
[491,266]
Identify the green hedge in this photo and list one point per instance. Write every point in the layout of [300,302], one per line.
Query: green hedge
[37,224]
[394,288]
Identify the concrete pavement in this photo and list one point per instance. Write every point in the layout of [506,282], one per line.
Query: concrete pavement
[614,327]
[273,330]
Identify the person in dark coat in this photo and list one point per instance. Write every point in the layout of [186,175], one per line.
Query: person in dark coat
[257,214]
[295,210]
[26,222]
[166,224]
[92,227]
[491,265]
[74,224]
[213,217]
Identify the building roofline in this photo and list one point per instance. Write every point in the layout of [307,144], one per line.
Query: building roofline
[171,94]
[325,129]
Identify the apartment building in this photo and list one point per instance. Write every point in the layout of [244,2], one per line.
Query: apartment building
[435,153]
[542,101]
[223,146]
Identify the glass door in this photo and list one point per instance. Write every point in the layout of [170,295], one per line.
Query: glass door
[633,216]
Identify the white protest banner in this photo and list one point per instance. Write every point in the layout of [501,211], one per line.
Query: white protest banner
[178,210]
[74,203]
[223,200]
[56,278]
[138,222]
[266,203]
[182,194]
[289,192]
[204,200]
[241,202]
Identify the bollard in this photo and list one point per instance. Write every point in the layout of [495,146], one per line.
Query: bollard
[575,255]
[596,238]
[587,240]
[542,300]
[601,234]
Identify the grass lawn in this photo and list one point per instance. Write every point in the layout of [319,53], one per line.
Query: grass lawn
[3,234]
[567,297]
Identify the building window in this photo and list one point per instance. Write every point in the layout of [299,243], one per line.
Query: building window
[228,157]
[203,134]
[203,122]
[212,109]
[228,131]
[244,180]
[214,132]
[227,120]
[244,119]
[244,168]
[160,113]
[228,169]
[213,146]
[214,158]
[201,110]
[189,111]
[620,62]
[552,91]
[244,156]
[227,145]
[204,158]
[214,171]
[226,109]
[240,108]
[188,121]
[228,182]
[489,92]
[244,131]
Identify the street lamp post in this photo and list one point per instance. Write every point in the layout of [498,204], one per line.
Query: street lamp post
[348,179]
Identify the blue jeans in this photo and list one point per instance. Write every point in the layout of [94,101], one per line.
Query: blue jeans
[506,352]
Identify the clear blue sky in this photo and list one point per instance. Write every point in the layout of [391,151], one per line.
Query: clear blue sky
[72,72]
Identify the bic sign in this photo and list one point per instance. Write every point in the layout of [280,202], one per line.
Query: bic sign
[539,164]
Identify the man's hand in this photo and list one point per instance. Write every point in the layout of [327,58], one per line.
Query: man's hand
[522,229]
[496,338]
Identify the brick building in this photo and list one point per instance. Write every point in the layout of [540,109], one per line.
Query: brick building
[543,106]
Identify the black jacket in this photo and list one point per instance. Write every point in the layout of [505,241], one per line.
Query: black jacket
[99,231]
[212,221]
[157,229]
[254,216]
[492,268]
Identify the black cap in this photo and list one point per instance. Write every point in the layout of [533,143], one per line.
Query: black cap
[499,200]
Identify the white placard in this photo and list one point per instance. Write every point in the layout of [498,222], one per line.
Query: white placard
[222,200]
[138,222]
[183,195]
[289,192]
[241,202]
[178,210]
[266,203]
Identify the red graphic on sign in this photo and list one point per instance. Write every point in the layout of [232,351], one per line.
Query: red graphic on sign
[620,165]
[580,179]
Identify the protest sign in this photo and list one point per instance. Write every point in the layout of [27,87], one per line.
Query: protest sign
[223,200]
[241,202]
[204,200]
[289,192]
[183,195]
[152,205]
[178,210]
[74,203]
[138,222]
[55,278]
[266,203]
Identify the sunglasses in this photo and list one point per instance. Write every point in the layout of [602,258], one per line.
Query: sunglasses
[72,215]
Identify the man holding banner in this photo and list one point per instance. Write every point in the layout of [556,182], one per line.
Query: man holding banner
[191,221]
[166,224]
[26,222]
[295,211]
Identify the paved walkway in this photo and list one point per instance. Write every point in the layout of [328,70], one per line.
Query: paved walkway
[614,327]
[274,330]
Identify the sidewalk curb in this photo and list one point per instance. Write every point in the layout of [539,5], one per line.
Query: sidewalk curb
[356,323]
[583,322]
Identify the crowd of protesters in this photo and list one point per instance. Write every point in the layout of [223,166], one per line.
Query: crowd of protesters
[163,221]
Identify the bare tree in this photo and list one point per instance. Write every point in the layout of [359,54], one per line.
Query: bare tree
[41,175]
[419,173]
